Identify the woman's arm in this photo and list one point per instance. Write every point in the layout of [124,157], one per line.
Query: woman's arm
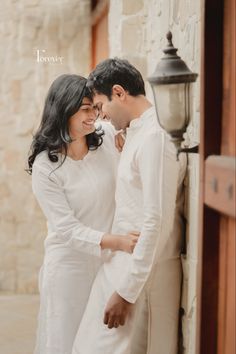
[49,192]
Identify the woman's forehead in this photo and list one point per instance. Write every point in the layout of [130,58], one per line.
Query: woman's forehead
[86,100]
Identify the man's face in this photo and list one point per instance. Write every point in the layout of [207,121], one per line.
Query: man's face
[112,110]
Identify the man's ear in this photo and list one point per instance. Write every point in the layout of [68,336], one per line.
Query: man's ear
[118,91]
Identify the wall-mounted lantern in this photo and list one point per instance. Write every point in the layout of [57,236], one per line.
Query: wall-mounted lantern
[171,89]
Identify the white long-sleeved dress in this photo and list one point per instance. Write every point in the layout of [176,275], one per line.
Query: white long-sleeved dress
[77,199]
[149,198]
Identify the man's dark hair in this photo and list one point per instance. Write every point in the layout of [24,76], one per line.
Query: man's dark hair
[112,72]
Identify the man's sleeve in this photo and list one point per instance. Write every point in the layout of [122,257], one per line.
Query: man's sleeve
[150,161]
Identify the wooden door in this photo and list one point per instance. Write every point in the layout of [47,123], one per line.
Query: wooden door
[100,45]
[216,326]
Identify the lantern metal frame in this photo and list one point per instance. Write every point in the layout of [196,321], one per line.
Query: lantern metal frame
[173,70]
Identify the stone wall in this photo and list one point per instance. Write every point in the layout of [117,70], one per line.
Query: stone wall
[40,40]
[137,30]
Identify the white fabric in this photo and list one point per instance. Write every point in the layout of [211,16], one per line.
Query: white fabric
[77,199]
[148,198]
[150,329]
[93,336]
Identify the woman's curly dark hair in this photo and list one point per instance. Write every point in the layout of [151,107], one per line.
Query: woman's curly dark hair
[63,101]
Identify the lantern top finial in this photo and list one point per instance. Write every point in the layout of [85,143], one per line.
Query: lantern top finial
[171,69]
[169,37]
[170,49]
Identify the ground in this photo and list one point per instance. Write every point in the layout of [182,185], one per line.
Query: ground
[18,315]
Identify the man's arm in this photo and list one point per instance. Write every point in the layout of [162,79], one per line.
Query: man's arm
[150,162]
[154,161]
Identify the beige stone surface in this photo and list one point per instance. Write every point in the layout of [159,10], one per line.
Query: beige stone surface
[18,323]
[132,7]
[58,29]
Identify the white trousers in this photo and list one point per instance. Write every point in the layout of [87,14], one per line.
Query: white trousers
[65,283]
[151,329]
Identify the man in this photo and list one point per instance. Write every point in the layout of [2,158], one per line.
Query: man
[137,296]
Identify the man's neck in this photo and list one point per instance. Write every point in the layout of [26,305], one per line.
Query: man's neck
[138,105]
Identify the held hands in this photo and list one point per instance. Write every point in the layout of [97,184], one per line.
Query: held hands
[116,311]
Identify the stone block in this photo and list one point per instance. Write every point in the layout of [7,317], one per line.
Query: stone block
[192,286]
[16,90]
[27,281]
[140,62]
[25,27]
[184,297]
[132,35]
[131,7]
[28,258]
[8,280]
[4,190]
[192,228]
[10,159]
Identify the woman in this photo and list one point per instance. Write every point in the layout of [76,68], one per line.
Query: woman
[73,166]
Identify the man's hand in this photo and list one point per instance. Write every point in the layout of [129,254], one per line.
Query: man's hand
[116,311]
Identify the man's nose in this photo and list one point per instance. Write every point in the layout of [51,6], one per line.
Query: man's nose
[92,114]
[103,116]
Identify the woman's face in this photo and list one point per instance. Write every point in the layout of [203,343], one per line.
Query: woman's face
[82,122]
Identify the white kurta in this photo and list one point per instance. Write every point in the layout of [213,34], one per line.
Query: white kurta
[149,199]
[77,199]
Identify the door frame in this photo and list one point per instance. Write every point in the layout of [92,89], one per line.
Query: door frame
[211,133]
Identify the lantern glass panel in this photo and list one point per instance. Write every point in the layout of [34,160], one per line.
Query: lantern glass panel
[172,105]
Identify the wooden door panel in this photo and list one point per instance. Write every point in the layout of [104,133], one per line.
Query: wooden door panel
[217,213]
[227,276]
[220,184]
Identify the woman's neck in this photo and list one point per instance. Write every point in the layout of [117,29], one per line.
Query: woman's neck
[78,149]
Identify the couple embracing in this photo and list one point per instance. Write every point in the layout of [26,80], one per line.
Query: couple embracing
[111,277]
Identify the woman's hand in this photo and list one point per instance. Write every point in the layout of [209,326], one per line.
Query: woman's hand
[120,140]
[125,243]
[128,242]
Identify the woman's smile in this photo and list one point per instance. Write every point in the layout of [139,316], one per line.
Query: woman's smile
[89,123]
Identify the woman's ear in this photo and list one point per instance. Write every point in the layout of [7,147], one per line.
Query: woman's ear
[118,91]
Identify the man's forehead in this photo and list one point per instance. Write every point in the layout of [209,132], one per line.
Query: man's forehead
[99,98]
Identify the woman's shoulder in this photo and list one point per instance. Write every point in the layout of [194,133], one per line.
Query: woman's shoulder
[44,170]
[42,162]
[108,128]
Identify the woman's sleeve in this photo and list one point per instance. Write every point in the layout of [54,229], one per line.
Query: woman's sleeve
[49,192]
